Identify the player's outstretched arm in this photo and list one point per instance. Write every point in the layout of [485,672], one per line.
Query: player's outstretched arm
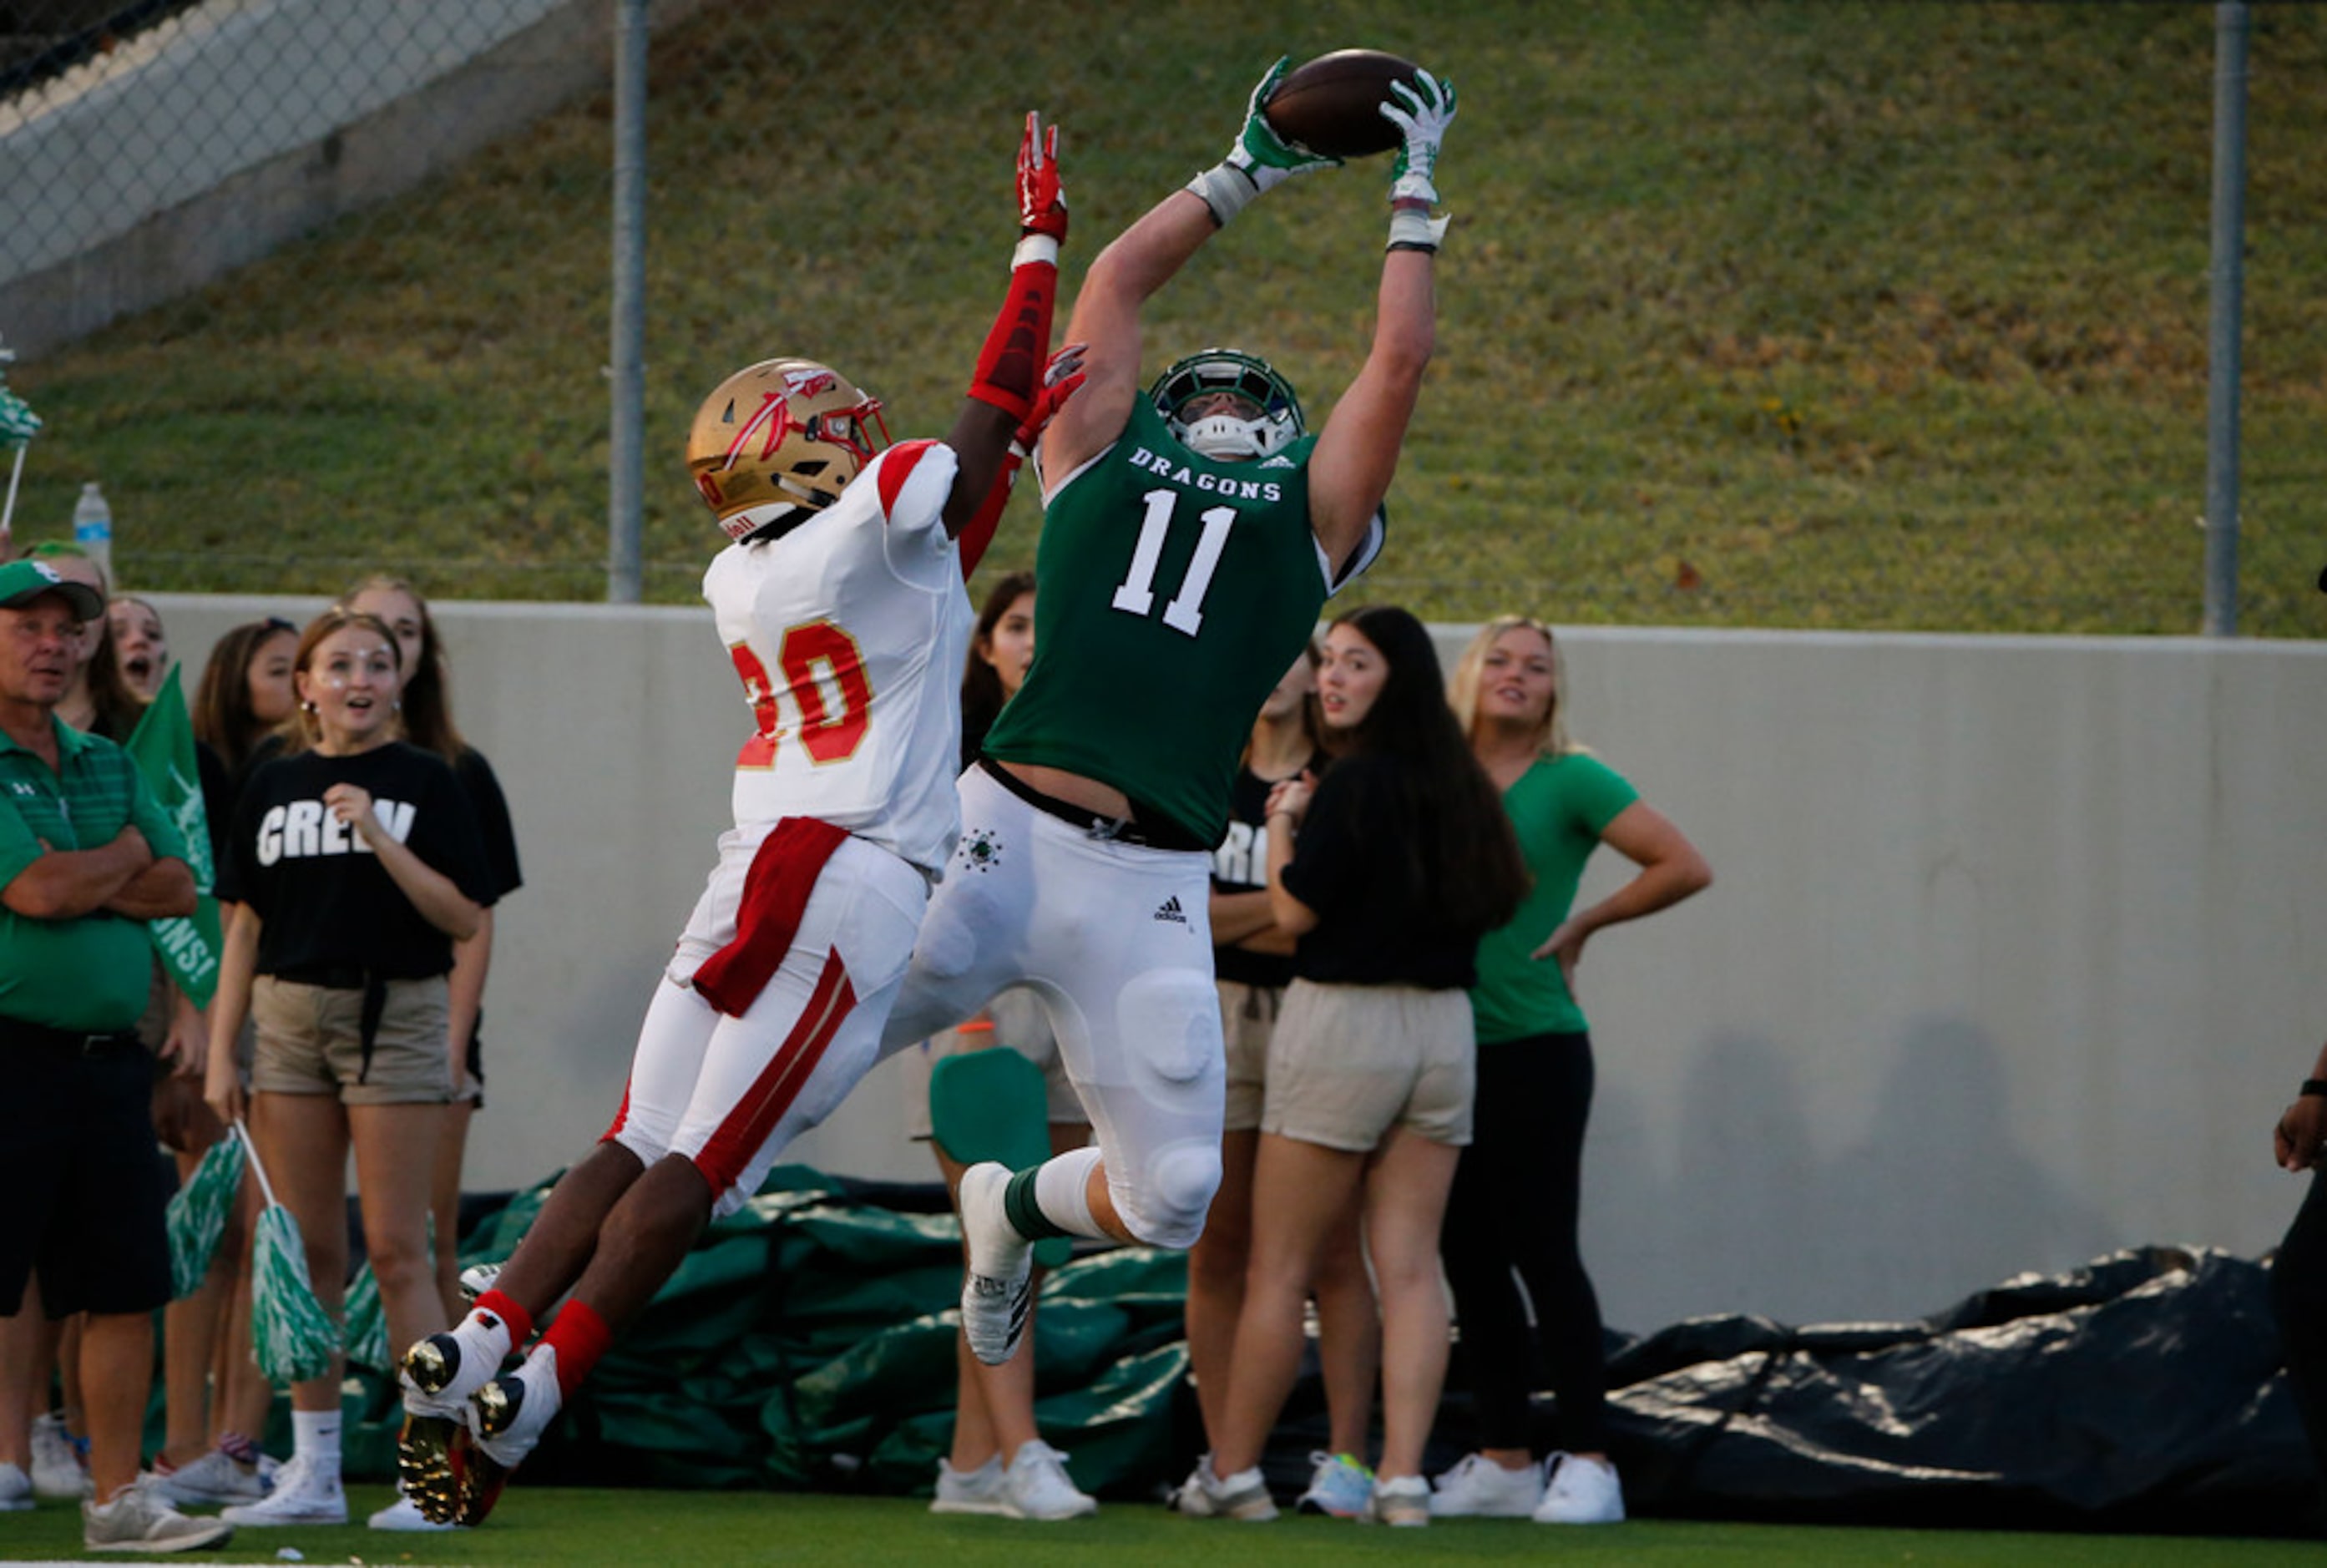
[1142,259]
[1356,452]
[1008,381]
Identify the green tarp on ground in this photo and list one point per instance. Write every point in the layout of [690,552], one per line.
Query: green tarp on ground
[807,1341]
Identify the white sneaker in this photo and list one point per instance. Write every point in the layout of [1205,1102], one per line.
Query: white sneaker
[214,1478]
[971,1491]
[1036,1486]
[997,1290]
[58,1470]
[305,1492]
[1583,1491]
[16,1490]
[1479,1487]
[139,1519]
[1404,1501]
[1339,1485]
[1243,1495]
[403,1514]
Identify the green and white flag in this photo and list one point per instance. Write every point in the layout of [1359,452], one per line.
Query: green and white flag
[163,747]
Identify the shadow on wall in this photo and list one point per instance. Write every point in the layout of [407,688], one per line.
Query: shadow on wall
[1748,1217]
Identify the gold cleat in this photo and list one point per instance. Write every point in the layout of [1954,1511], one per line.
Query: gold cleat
[481,1477]
[429,1461]
[433,1363]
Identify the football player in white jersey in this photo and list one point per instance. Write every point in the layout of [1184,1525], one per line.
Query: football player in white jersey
[841,602]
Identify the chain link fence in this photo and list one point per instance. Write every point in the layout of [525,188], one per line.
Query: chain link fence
[1844,316]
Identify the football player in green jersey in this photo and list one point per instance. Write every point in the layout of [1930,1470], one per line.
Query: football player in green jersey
[1191,536]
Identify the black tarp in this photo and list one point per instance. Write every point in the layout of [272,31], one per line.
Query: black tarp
[808,1342]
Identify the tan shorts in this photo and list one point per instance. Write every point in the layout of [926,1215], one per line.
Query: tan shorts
[311,1042]
[1020,1024]
[1350,1062]
[1248,1019]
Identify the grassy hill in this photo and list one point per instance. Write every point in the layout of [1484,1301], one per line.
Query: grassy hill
[1821,314]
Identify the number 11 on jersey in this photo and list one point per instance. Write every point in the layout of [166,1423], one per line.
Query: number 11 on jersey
[1134,596]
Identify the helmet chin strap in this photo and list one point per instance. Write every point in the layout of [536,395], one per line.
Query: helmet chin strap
[1223,437]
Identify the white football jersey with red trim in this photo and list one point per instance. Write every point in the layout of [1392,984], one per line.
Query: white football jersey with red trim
[849,633]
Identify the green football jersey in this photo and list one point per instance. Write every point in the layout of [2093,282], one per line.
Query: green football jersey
[1172,592]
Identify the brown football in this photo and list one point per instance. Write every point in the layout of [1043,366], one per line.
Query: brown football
[1332,104]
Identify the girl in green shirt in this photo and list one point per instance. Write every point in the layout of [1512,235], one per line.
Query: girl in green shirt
[1516,1190]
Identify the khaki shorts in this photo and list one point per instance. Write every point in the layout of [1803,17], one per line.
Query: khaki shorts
[311,1042]
[1248,1019]
[1350,1062]
[1020,1024]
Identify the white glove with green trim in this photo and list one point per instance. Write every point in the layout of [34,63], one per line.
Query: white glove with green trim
[1258,159]
[1421,111]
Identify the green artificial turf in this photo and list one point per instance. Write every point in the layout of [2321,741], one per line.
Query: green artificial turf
[711,1529]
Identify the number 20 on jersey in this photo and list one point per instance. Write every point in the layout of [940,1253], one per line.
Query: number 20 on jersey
[824,670]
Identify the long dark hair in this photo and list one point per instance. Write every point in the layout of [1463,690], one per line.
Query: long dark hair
[982,695]
[1461,857]
[222,718]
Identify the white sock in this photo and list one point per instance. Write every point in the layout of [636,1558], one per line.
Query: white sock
[315,1438]
[1062,1192]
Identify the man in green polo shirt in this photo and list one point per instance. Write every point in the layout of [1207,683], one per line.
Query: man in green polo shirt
[87,857]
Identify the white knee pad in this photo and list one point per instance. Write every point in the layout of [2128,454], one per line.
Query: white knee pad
[1164,1205]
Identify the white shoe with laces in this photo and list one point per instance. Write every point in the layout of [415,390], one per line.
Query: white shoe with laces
[211,1480]
[140,1518]
[16,1490]
[57,1470]
[1036,1486]
[969,1491]
[1477,1487]
[1583,1491]
[305,1492]
[997,1290]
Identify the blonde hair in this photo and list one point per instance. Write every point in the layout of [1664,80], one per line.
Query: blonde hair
[1470,672]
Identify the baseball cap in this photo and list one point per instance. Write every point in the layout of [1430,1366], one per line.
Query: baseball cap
[21,581]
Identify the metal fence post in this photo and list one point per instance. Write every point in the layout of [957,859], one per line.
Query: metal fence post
[626,368]
[2232,25]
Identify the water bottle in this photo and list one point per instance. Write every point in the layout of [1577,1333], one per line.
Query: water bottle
[93,528]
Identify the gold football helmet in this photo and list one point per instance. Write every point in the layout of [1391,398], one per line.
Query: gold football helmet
[780,440]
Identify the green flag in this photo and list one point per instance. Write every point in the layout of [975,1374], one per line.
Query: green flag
[163,747]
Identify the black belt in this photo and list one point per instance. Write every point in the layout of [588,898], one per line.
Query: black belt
[1158,835]
[15,1031]
[350,977]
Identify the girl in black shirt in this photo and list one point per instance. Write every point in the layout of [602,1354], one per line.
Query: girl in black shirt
[1388,871]
[428,724]
[354,865]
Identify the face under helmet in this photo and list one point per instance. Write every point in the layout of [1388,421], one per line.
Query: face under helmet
[777,442]
[1274,422]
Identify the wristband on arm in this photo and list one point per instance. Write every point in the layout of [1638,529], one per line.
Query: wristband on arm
[1011,362]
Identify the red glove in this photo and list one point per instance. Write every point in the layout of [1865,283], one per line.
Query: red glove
[1042,204]
[1060,378]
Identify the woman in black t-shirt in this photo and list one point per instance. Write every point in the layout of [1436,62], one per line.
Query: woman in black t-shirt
[354,865]
[1252,963]
[1388,871]
[428,724]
